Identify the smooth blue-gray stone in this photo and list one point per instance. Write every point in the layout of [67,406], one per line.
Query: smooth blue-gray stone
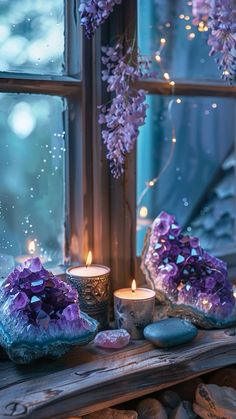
[170,332]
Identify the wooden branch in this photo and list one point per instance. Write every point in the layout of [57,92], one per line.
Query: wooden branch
[89,379]
[160,87]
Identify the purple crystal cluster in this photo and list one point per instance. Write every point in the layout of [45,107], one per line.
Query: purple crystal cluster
[39,295]
[126,112]
[221,19]
[40,314]
[94,12]
[177,266]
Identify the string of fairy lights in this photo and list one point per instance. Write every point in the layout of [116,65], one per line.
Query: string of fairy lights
[158,58]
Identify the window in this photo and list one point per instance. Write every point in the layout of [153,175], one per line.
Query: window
[40,103]
[186,149]
[57,198]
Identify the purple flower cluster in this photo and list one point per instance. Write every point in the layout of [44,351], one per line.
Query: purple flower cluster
[94,12]
[39,295]
[126,112]
[185,272]
[221,16]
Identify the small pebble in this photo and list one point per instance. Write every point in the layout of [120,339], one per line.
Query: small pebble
[170,332]
[151,409]
[170,399]
[112,339]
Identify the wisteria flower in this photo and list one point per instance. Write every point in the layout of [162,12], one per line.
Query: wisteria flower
[126,112]
[221,18]
[94,12]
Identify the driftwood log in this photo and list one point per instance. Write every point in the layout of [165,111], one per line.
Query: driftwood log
[89,379]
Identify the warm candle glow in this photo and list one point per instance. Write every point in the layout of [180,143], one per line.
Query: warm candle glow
[133,286]
[31,247]
[89,259]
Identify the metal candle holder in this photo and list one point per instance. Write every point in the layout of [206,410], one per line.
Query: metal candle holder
[133,315]
[94,294]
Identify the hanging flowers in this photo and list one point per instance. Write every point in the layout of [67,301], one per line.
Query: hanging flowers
[126,112]
[221,18]
[94,12]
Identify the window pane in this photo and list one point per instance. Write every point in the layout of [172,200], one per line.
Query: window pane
[32,36]
[197,181]
[32,172]
[186,53]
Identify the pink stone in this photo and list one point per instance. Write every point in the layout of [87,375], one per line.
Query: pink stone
[114,339]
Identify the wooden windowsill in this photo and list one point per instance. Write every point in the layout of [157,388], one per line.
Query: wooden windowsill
[88,379]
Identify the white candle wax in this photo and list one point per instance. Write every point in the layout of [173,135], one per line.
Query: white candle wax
[89,271]
[138,294]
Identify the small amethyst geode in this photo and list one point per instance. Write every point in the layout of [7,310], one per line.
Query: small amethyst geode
[39,314]
[189,282]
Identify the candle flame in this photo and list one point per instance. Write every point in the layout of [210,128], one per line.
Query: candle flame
[31,247]
[133,286]
[89,259]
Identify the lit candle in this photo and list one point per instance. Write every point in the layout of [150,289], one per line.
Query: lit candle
[92,282]
[89,270]
[134,309]
[31,253]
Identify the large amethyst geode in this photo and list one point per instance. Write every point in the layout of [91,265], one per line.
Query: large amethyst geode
[189,282]
[39,314]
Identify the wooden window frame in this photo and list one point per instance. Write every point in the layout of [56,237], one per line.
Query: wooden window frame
[100,211]
[125,264]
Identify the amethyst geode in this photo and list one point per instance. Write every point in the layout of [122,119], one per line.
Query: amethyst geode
[189,282]
[39,314]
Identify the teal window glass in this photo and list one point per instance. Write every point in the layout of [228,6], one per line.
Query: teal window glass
[32,36]
[185,53]
[32,172]
[194,177]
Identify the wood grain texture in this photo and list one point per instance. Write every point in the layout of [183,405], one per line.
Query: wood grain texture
[89,379]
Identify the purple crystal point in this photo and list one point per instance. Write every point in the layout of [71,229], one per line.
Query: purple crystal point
[189,281]
[39,314]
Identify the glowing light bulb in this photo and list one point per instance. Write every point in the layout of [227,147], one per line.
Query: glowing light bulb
[205,302]
[202,27]
[181,16]
[143,212]
[188,27]
[166,76]
[174,140]
[151,183]
[214,105]
[226,73]
[163,41]
[191,36]
[172,83]
[158,58]
[187,17]
[178,100]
